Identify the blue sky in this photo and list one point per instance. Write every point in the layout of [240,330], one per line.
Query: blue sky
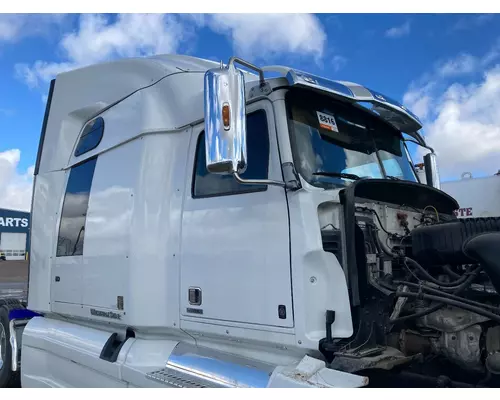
[445,67]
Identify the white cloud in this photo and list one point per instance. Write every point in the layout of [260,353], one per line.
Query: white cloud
[16,26]
[265,35]
[463,64]
[99,39]
[41,71]
[130,35]
[491,55]
[398,31]
[419,97]
[9,27]
[466,129]
[461,120]
[338,62]
[422,94]
[472,21]
[16,188]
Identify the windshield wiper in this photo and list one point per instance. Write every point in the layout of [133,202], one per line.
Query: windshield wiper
[338,175]
[393,178]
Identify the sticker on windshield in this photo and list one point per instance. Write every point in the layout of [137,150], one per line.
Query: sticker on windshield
[327,121]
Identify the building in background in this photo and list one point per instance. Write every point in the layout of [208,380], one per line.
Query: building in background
[14,233]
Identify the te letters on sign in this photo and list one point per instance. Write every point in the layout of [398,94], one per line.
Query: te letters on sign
[463,212]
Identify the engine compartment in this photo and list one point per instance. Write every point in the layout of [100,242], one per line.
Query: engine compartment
[427,310]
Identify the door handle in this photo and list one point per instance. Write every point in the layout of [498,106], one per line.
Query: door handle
[194,296]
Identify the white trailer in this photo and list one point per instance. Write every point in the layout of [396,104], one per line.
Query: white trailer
[194,225]
[478,197]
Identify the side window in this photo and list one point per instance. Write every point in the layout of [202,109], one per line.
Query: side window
[90,137]
[206,184]
[74,211]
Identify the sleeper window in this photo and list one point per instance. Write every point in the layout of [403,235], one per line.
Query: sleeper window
[74,212]
[206,184]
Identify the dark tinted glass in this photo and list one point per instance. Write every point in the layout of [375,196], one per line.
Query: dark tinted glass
[207,185]
[91,136]
[74,212]
[329,136]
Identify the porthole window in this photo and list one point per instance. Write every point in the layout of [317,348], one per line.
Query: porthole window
[90,137]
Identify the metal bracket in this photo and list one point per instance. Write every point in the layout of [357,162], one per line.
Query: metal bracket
[292,183]
[260,90]
[233,60]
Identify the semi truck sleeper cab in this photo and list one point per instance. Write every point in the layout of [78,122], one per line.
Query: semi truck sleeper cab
[203,225]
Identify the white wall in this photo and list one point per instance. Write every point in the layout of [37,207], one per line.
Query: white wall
[477,197]
[13,245]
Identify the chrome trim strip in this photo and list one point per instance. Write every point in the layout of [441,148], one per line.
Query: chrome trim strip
[13,324]
[194,366]
[13,345]
[383,106]
[258,181]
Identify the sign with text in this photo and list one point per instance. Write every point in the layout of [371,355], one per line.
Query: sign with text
[463,212]
[14,221]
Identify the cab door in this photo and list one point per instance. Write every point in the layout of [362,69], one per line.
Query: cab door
[235,258]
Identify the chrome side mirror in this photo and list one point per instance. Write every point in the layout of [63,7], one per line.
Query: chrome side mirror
[431,170]
[225,120]
[225,123]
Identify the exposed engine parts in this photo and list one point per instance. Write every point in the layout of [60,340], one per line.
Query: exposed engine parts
[442,243]
[428,287]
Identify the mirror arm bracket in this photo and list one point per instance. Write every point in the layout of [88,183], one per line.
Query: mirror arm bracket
[269,182]
[233,60]
[420,143]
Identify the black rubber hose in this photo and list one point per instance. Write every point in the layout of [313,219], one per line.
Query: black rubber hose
[430,381]
[373,234]
[447,295]
[411,261]
[436,307]
[452,288]
[451,302]
[378,218]
[449,271]
[458,286]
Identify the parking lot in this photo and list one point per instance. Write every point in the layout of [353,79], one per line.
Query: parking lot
[13,278]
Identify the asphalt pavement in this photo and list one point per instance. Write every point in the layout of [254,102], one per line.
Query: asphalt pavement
[13,279]
[13,290]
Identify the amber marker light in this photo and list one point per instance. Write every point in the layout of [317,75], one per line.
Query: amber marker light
[226,116]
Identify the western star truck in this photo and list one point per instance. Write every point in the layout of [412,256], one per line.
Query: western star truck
[197,224]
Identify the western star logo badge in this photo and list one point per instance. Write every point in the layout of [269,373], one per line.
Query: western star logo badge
[105,314]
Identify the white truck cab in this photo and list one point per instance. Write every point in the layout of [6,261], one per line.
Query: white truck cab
[195,225]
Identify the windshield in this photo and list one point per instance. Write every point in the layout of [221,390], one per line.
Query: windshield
[332,137]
